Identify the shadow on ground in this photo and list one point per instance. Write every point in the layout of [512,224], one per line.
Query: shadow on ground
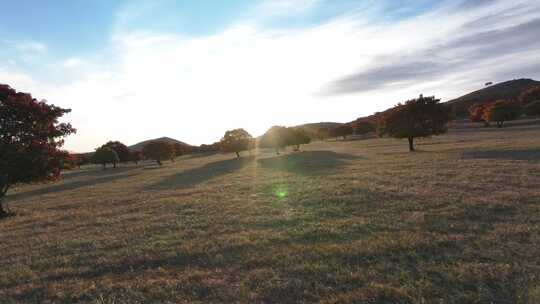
[98,171]
[308,162]
[523,154]
[106,176]
[192,177]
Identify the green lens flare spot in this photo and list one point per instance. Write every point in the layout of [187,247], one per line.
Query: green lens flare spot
[281,192]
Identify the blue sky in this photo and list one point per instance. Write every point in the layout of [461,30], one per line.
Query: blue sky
[254,64]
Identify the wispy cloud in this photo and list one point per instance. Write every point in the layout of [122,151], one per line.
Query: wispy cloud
[485,51]
[147,84]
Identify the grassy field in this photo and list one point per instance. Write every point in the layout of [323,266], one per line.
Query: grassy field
[361,221]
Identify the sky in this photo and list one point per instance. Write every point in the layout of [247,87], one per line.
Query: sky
[190,70]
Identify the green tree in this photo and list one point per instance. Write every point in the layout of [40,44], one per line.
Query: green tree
[121,150]
[30,140]
[236,141]
[277,137]
[158,151]
[502,111]
[420,117]
[105,155]
[297,137]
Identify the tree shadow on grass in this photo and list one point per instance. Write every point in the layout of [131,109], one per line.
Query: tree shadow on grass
[70,185]
[191,177]
[308,162]
[98,171]
[522,154]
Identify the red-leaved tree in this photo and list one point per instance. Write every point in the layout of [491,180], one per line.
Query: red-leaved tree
[420,117]
[30,139]
[478,112]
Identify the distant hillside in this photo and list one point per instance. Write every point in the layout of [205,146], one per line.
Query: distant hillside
[504,90]
[313,127]
[139,146]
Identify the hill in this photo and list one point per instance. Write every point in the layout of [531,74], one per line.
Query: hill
[139,146]
[504,90]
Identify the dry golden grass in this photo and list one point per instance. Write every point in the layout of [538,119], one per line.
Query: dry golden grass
[359,221]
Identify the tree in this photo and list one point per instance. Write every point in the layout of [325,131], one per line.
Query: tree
[236,141]
[121,150]
[276,137]
[341,131]
[105,155]
[180,149]
[530,95]
[420,117]
[502,111]
[363,127]
[533,108]
[322,133]
[82,159]
[30,139]
[478,112]
[297,137]
[158,151]
[136,157]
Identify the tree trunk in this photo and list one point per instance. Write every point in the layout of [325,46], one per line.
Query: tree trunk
[114,165]
[237,154]
[411,144]
[4,186]
[159,162]
[104,166]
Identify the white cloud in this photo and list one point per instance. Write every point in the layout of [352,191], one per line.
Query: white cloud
[194,89]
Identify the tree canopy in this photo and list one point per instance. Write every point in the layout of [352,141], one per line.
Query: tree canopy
[277,137]
[105,155]
[530,95]
[158,151]
[341,131]
[502,111]
[30,139]
[236,141]
[363,127]
[121,150]
[420,117]
[478,112]
[297,137]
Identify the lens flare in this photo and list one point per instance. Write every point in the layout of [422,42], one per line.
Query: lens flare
[281,192]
